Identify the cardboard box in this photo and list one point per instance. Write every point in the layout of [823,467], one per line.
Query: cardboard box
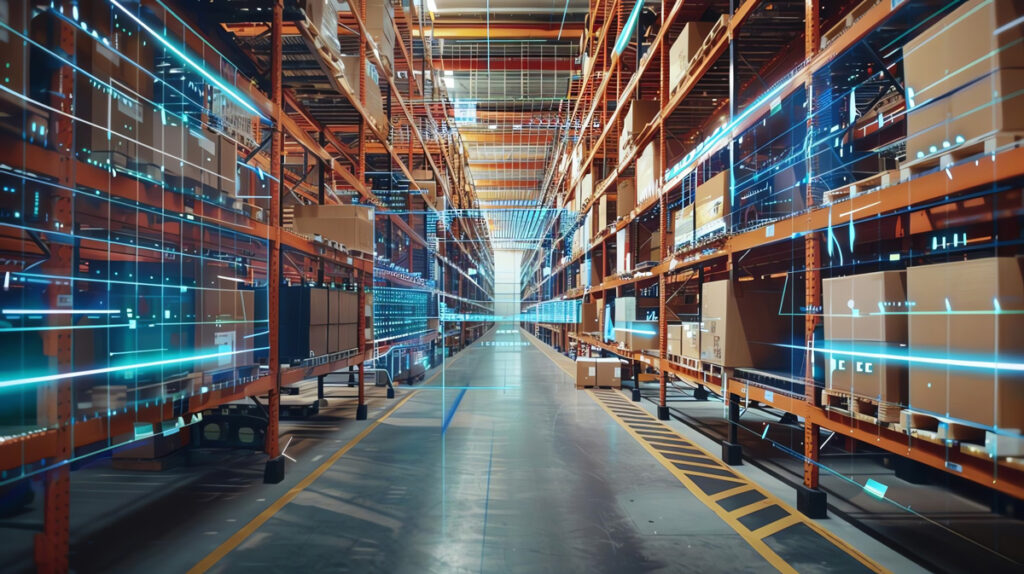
[633,309]
[954,316]
[639,114]
[962,47]
[334,306]
[586,372]
[589,318]
[859,372]
[586,189]
[349,335]
[609,372]
[227,156]
[318,335]
[648,173]
[380,26]
[711,205]
[623,257]
[350,225]
[602,213]
[866,307]
[987,106]
[319,306]
[741,325]
[674,336]
[683,225]
[349,306]
[643,335]
[683,50]
[690,334]
[625,197]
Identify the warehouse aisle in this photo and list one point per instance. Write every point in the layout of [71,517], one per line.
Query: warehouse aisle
[503,466]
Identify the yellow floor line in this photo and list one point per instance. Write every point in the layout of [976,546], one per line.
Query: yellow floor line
[777,526]
[731,492]
[237,538]
[752,507]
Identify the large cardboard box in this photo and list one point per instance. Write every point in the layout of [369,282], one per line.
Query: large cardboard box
[972,310]
[602,213]
[609,372]
[866,307]
[350,225]
[349,301]
[589,318]
[684,48]
[318,335]
[625,197]
[640,113]
[319,306]
[690,333]
[380,25]
[711,205]
[958,75]
[962,47]
[334,306]
[586,372]
[741,325]
[643,335]
[348,333]
[861,368]
[648,173]
[683,225]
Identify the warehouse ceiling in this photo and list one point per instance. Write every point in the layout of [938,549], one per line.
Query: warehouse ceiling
[507,70]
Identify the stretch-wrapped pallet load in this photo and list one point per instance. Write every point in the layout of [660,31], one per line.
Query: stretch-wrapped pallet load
[967,320]
[865,325]
[963,80]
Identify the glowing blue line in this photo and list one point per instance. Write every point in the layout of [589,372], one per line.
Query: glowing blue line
[187,60]
[967,363]
[61,311]
[627,30]
[76,374]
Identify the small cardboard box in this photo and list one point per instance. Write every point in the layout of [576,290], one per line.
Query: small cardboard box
[350,225]
[625,197]
[684,48]
[674,336]
[640,113]
[690,333]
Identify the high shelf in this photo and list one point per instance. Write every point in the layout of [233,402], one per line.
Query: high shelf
[796,149]
[160,165]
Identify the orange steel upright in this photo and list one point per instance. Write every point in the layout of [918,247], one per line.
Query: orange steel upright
[275,465]
[52,544]
[811,500]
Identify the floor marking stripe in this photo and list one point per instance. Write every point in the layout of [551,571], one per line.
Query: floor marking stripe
[756,543]
[246,531]
[754,539]
[752,507]
[777,526]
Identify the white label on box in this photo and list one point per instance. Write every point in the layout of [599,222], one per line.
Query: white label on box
[205,143]
[129,108]
[592,372]
[225,342]
[618,372]
[769,396]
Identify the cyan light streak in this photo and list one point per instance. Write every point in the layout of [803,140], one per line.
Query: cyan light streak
[61,311]
[627,30]
[184,58]
[831,348]
[60,376]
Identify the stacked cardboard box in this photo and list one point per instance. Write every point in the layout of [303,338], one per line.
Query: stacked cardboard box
[963,80]
[374,102]
[380,24]
[968,310]
[674,343]
[349,225]
[865,317]
[683,50]
[690,336]
[589,319]
[586,372]
[741,325]
[639,114]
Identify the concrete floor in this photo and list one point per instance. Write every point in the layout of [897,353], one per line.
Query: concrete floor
[495,465]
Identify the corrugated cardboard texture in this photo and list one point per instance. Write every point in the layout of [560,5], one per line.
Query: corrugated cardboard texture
[971,329]
[866,307]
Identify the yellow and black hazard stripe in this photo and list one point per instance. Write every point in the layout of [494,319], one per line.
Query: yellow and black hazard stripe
[783,536]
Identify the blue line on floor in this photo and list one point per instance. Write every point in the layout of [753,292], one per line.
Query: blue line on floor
[451,413]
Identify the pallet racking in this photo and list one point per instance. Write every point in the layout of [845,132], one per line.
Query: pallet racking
[258,82]
[756,59]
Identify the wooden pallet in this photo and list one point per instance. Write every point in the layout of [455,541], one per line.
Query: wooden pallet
[861,408]
[938,430]
[877,181]
[986,145]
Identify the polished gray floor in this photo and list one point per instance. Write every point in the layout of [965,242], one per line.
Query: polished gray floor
[530,475]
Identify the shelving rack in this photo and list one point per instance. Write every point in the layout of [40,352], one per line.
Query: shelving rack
[248,75]
[758,56]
